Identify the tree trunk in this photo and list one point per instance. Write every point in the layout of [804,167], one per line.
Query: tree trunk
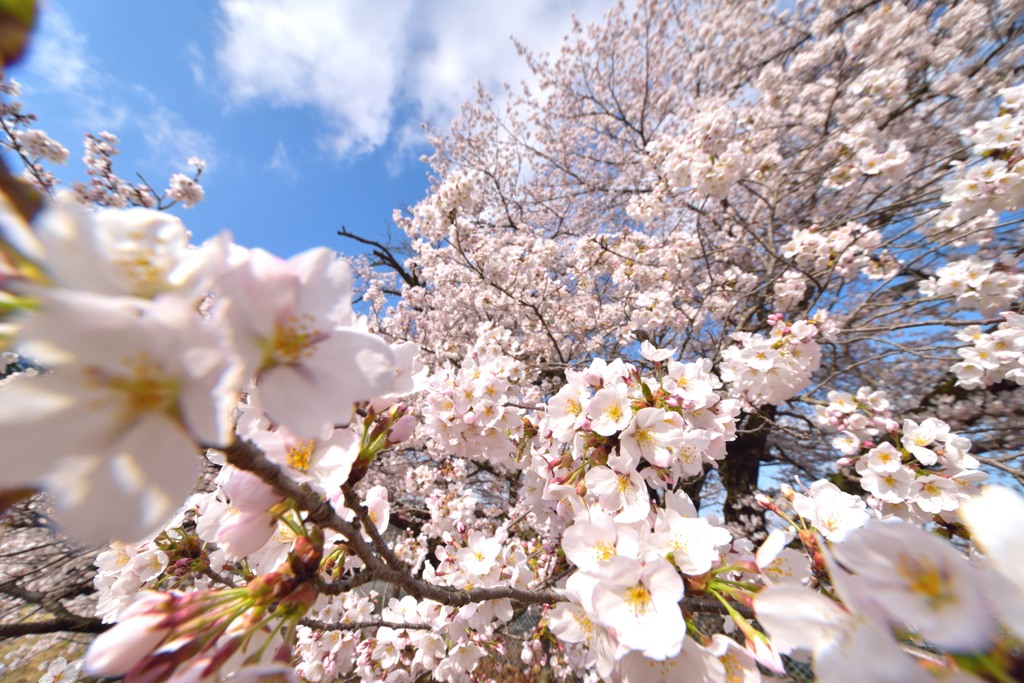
[739,473]
[693,487]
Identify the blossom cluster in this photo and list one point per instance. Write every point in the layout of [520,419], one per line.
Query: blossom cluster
[472,411]
[36,144]
[986,285]
[892,582]
[992,181]
[845,250]
[863,151]
[992,356]
[710,158]
[454,201]
[771,369]
[146,378]
[911,470]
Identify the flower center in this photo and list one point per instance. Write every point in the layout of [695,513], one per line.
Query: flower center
[643,437]
[639,598]
[300,455]
[924,578]
[143,388]
[294,340]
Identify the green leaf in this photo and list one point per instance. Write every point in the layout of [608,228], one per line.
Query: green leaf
[646,390]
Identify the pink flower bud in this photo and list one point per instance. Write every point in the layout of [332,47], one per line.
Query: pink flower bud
[142,627]
[265,672]
[402,429]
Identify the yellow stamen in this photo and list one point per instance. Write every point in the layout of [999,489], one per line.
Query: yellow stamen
[293,340]
[143,389]
[639,599]
[300,455]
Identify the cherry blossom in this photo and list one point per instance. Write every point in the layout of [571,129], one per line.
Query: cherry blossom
[631,297]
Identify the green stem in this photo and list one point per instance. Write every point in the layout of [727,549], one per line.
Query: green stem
[745,585]
[992,668]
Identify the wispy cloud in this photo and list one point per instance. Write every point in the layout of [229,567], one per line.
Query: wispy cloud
[170,138]
[342,58]
[281,163]
[374,71]
[197,64]
[59,59]
[57,53]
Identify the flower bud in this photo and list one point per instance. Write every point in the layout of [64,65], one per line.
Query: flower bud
[297,603]
[142,627]
[787,492]
[304,559]
[402,429]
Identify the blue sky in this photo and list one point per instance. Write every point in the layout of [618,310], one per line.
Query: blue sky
[308,112]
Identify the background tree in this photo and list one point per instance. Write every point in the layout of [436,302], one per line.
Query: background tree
[684,171]
[715,232]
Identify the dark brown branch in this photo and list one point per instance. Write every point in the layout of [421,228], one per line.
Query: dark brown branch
[386,256]
[245,455]
[68,624]
[356,625]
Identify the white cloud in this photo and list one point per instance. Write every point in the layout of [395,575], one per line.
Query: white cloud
[57,52]
[172,140]
[372,70]
[280,162]
[197,64]
[59,59]
[344,58]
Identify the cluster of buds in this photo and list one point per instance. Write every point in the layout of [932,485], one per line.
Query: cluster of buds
[380,431]
[192,636]
[186,554]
